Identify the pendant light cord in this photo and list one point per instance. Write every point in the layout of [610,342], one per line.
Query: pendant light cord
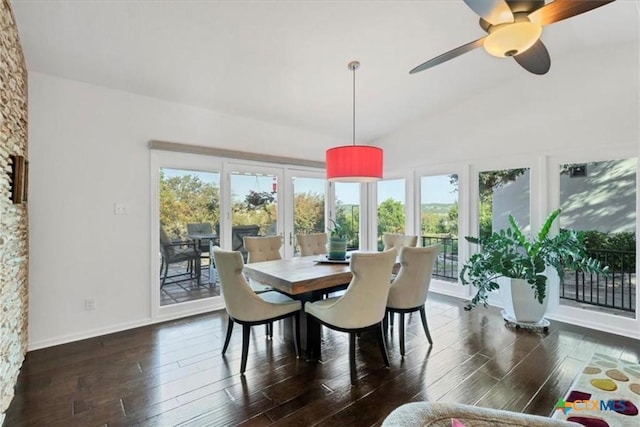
[354,105]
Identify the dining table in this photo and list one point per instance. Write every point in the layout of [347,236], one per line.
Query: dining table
[306,279]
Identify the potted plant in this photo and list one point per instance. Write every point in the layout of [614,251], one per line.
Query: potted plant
[337,242]
[509,253]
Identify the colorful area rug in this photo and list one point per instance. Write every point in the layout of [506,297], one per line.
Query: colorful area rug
[605,394]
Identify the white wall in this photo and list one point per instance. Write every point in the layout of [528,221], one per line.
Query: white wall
[88,149]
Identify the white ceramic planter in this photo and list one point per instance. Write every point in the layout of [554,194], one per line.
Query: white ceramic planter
[520,303]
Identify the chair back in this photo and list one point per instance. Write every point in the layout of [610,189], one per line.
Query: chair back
[312,244]
[263,248]
[166,248]
[397,241]
[239,299]
[237,237]
[199,228]
[364,302]
[411,286]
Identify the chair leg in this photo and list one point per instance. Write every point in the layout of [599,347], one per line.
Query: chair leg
[166,271]
[385,321]
[246,332]
[392,315]
[402,334]
[381,344]
[161,265]
[268,328]
[296,335]
[228,337]
[423,315]
[352,357]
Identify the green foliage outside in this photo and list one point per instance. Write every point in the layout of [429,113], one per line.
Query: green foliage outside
[185,199]
[348,220]
[308,213]
[613,244]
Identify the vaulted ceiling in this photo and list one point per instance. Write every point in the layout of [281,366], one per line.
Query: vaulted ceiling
[286,62]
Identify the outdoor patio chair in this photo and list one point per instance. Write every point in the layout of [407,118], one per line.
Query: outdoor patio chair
[410,288]
[237,237]
[179,252]
[201,228]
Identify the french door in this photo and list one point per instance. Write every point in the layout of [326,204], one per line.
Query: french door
[280,201]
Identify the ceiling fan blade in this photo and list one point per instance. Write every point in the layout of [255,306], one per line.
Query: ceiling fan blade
[536,59]
[493,11]
[448,55]
[562,9]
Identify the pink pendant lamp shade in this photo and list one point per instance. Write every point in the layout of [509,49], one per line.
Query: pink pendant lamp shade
[360,163]
[354,163]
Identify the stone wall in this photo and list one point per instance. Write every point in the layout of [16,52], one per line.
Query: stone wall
[13,217]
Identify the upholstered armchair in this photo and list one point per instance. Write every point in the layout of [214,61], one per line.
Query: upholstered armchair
[410,288]
[397,241]
[178,252]
[362,307]
[248,308]
[312,244]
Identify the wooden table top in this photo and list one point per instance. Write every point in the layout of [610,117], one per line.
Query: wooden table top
[299,275]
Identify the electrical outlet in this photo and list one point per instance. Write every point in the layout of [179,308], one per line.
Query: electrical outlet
[121,209]
[90,304]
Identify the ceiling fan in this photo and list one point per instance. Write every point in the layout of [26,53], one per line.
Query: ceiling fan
[514,28]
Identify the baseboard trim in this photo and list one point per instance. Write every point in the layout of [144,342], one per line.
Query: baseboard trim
[65,339]
[50,342]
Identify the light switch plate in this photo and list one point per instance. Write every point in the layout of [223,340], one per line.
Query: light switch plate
[121,209]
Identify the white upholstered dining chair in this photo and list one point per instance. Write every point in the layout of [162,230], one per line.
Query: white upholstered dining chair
[264,248]
[312,244]
[248,308]
[397,241]
[362,307]
[410,288]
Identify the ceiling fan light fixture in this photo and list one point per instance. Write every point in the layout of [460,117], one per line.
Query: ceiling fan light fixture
[512,39]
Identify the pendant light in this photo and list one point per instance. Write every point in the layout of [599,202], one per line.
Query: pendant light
[354,163]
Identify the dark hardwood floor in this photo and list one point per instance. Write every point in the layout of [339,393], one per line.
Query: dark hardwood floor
[173,373]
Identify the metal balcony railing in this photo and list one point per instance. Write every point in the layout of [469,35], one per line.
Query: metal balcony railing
[446,266]
[617,291]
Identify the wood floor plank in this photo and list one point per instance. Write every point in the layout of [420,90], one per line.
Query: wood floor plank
[173,373]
